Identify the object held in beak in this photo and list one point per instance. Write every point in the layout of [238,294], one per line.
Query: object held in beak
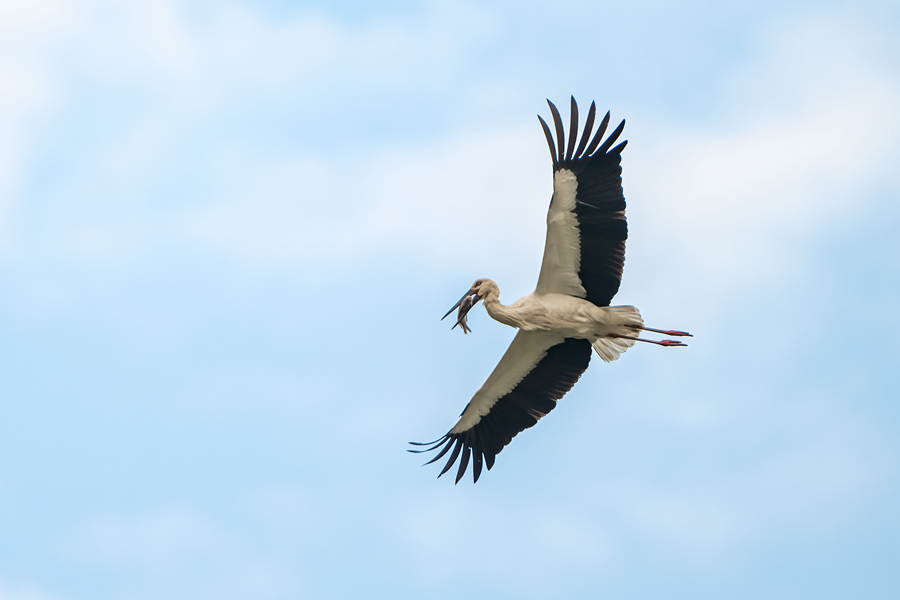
[465,304]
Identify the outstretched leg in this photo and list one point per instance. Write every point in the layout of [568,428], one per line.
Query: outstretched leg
[667,331]
[657,342]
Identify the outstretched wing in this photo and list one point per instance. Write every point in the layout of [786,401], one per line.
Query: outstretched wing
[536,371]
[586,230]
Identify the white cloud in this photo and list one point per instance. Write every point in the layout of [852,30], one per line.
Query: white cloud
[792,467]
[179,553]
[744,189]
[163,539]
[694,520]
[811,132]
[439,531]
[29,33]
[761,176]
[185,71]
[25,592]
[206,57]
[444,200]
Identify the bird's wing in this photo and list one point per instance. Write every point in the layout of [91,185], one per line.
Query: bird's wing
[586,230]
[536,371]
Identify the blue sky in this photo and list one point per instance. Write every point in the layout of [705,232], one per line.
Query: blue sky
[228,231]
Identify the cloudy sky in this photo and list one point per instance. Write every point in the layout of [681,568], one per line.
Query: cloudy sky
[228,231]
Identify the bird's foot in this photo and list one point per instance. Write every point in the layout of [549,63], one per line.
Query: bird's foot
[670,343]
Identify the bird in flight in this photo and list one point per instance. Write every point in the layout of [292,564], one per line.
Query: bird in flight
[567,314]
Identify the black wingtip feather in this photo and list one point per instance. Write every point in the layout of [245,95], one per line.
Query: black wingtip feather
[612,138]
[599,135]
[452,459]
[562,152]
[573,130]
[442,452]
[588,125]
[618,149]
[463,463]
[549,137]
[476,465]
[560,133]
[433,445]
[489,460]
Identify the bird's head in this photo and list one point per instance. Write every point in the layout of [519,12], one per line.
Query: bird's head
[479,289]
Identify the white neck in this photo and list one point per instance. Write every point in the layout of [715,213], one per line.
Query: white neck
[499,312]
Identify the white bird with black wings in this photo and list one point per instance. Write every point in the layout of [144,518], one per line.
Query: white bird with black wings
[567,314]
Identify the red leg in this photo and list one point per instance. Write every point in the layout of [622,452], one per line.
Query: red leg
[667,332]
[667,343]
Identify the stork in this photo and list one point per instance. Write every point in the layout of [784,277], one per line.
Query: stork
[567,314]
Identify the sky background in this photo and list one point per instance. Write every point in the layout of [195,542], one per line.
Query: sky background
[228,231]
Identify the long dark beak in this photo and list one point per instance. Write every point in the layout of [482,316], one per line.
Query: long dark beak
[466,295]
[465,304]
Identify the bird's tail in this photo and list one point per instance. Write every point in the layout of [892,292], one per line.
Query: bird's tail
[626,320]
